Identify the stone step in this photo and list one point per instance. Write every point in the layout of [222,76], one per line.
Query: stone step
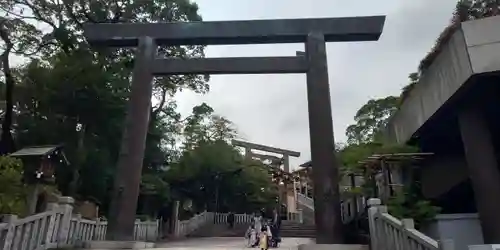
[220,230]
[333,247]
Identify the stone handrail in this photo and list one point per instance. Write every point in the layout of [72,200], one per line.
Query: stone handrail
[186,227]
[146,230]
[348,208]
[31,233]
[221,218]
[389,233]
[295,216]
[59,228]
[306,201]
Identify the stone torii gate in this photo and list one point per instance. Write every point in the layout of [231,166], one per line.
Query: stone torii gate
[313,32]
[285,161]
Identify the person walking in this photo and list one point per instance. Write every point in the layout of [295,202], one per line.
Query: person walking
[230,220]
[257,221]
[276,225]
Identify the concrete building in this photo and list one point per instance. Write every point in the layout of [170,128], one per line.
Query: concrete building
[453,112]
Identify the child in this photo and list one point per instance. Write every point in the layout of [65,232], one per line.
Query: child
[263,238]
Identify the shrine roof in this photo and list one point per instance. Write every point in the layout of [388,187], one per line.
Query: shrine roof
[36,150]
[306,164]
[395,157]
[44,150]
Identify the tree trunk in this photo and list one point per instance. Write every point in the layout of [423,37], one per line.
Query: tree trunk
[6,141]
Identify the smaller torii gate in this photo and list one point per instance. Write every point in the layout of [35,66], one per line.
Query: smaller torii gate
[284,160]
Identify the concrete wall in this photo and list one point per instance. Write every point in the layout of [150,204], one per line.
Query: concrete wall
[463,229]
[473,49]
[433,170]
[483,44]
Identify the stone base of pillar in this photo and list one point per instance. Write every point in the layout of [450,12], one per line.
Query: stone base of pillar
[484,247]
[117,245]
[332,247]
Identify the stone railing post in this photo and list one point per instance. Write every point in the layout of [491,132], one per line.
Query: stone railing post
[137,230]
[483,247]
[10,219]
[301,215]
[373,206]
[51,224]
[446,245]
[77,232]
[66,207]
[408,224]
[175,217]
[97,230]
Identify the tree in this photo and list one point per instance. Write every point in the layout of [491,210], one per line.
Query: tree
[216,175]
[370,119]
[18,37]
[203,125]
[69,94]
[414,78]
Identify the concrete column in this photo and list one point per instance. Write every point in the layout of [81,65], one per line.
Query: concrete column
[329,226]
[129,168]
[483,170]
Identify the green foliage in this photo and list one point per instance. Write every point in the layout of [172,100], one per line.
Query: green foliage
[370,119]
[216,168]
[365,140]
[414,78]
[352,154]
[13,192]
[409,204]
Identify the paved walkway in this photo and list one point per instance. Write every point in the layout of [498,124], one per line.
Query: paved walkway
[225,244]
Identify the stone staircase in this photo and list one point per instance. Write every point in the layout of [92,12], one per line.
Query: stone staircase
[288,229]
[297,230]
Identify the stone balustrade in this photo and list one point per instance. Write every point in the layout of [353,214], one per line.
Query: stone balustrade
[58,227]
[390,233]
[349,207]
[186,227]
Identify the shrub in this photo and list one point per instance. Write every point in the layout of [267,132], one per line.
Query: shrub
[13,192]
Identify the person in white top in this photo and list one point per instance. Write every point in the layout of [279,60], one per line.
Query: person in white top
[257,221]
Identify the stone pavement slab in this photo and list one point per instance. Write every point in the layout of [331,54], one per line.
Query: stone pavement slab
[226,243]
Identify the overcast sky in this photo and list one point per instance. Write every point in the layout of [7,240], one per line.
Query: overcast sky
[272,109]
